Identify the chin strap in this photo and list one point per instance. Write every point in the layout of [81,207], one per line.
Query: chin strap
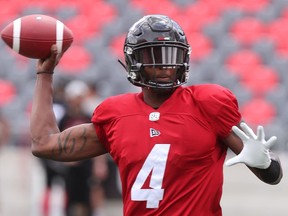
[123,64]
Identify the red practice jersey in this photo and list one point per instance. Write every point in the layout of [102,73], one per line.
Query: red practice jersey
[170,159]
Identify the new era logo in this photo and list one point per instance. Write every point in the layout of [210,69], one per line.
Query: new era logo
[154,132]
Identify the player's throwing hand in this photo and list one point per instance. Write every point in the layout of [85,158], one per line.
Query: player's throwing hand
[47,65]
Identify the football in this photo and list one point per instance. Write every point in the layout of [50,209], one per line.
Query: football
[33,35]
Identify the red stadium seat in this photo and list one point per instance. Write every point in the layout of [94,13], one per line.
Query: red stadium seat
[284,14]
[221,5]
[83,28]
[201,46]
[116,45]
[260,80]
[7,92]
[48,5]
[258,111]
[75,60]
[166,7]
[277,32]
[90,20]
[200,14]
[282,48]
[9,12]
[248,30]
[100,13]
[241,61]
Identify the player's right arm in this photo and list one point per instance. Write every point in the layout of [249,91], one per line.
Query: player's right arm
[75,143]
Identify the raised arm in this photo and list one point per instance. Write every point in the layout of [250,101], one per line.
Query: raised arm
[75,143]
[254,151]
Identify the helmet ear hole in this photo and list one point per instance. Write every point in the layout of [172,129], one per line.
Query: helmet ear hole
[135,72]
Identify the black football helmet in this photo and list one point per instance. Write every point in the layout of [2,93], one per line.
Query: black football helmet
[156,41]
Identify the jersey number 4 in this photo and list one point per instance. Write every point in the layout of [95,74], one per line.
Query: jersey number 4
[155,164]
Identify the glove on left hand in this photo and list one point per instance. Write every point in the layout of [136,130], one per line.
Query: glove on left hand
[255,152]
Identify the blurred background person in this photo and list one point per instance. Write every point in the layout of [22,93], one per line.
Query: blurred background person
[82,179]
[4,130]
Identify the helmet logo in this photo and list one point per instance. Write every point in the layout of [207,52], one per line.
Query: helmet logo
[163,38]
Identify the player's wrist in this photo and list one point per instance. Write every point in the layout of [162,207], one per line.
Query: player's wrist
[272,174]
[45,72]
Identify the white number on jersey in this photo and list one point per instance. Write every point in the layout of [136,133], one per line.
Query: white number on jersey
[155,163]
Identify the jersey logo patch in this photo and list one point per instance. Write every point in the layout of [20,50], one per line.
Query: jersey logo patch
[154,132]
[154,116]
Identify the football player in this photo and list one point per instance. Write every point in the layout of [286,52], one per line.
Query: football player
[169,141]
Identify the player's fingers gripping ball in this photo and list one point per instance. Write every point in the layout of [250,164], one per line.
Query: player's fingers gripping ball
[47,65]
[32,36]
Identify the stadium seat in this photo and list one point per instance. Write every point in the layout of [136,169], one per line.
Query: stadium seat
[9,12]
[166,7]
[83,28]
[75,60]
[7,92]
[240,62]
[201,45]
[248,30]
[89,21]
[276,30]
[260,79]
[100,12]
[284,11]
[281,48]
[49,5]
[116,45]
[252,6]
[258,111]
[200,15]
[277,33]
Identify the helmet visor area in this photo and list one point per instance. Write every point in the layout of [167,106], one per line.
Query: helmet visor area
[161,55]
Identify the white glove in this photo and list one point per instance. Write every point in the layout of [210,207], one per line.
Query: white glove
[255,152]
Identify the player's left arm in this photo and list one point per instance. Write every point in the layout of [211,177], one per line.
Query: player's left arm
[254,151]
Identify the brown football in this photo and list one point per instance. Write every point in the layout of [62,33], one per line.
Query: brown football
[33,35]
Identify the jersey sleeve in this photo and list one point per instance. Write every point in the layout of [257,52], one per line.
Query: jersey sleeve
[103,114]
[220,106]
